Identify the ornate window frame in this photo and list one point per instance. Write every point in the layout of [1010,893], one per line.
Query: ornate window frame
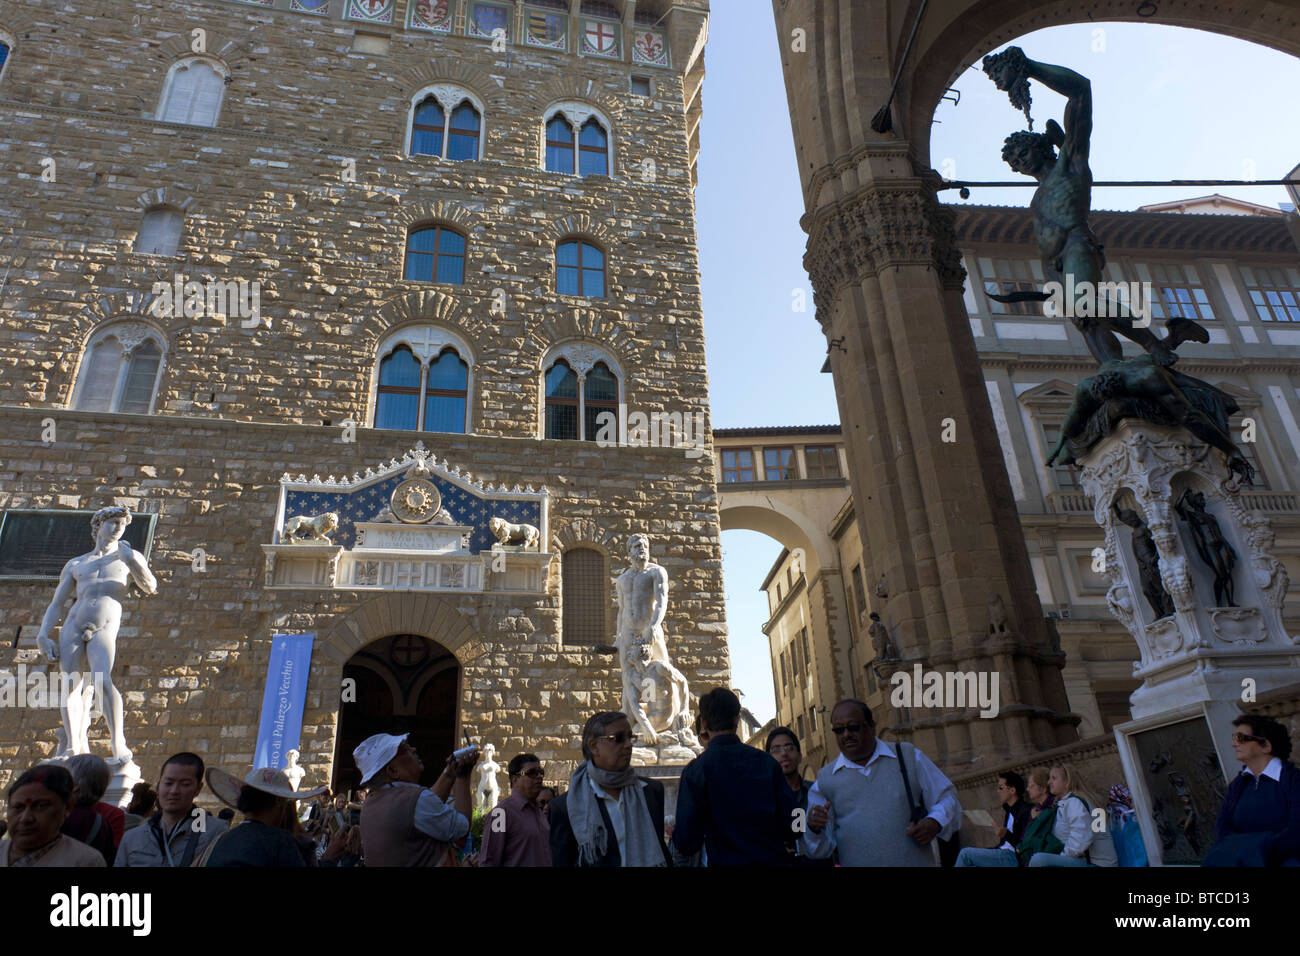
[449,96]
[183,64]
[582,356]
[426,341]
[131,334]
[577,113]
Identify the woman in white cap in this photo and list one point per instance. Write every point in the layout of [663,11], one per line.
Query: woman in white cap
[266,837]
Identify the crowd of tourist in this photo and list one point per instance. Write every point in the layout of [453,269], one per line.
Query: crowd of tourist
[876,804]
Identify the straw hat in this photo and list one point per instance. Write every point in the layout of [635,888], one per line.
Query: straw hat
[227,786]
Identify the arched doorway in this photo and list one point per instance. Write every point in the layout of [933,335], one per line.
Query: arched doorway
[404,683]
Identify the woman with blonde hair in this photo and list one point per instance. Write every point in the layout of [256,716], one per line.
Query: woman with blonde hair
[1072,825]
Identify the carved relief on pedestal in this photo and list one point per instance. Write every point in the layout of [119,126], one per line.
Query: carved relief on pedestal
[1238,625]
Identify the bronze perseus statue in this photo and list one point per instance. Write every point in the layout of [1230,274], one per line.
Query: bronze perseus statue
[1145,387]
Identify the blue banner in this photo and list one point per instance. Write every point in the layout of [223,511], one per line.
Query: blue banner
[282,703]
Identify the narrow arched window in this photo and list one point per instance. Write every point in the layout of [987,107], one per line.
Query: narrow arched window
[579,269]
[4,56]
[600,395]
[445,394]
[160,232]
[559,145]
[119,378]
[593,143]
[435,254]
[463,142]
[193,94]
[427,128]
[584,593]
[399,391]
[561,401]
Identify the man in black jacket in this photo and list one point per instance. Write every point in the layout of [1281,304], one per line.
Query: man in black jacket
[609,816]
[734,800]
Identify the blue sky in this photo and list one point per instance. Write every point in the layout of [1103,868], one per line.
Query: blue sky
[1162,110]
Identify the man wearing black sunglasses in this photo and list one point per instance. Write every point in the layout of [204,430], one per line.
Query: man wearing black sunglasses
[609,816]
[874,811]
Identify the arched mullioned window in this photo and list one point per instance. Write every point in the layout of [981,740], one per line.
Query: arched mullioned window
[577,139]
[120,370]
[193,92]
[422,381]
[160,231]
[446,122]
[580,386]
[579,269]
[435,254]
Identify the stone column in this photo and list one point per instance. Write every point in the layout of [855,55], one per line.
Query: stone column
[930,488]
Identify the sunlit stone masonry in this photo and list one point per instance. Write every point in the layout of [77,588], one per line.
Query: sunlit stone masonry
[332,296]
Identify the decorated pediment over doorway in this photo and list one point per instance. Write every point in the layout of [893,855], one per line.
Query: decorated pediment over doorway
[415,523]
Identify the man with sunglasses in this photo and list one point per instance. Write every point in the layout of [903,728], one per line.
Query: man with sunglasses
[516,832]
[609,816]
[859,804]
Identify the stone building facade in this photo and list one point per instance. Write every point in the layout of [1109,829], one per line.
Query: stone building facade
[1231,266]
[537,161]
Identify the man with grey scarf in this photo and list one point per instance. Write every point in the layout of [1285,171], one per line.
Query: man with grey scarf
[609,816]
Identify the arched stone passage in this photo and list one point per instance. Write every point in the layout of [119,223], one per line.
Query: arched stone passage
[769,514]
[938,517]
[424,619]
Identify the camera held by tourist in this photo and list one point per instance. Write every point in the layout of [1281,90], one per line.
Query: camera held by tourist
[403,823]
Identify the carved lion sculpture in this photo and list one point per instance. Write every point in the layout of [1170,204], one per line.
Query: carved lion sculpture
[318,529]
[506,533]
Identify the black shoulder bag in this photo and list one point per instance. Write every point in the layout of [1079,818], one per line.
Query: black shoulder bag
[948,849]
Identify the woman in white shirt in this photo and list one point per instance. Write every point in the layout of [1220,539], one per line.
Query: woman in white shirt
[1083,846]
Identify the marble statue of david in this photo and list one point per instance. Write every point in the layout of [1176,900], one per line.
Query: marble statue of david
[100,581]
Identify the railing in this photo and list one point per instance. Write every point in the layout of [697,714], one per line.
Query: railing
[1274,502]
[1069,503]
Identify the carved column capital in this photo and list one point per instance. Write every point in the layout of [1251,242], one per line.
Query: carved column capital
[878,226]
